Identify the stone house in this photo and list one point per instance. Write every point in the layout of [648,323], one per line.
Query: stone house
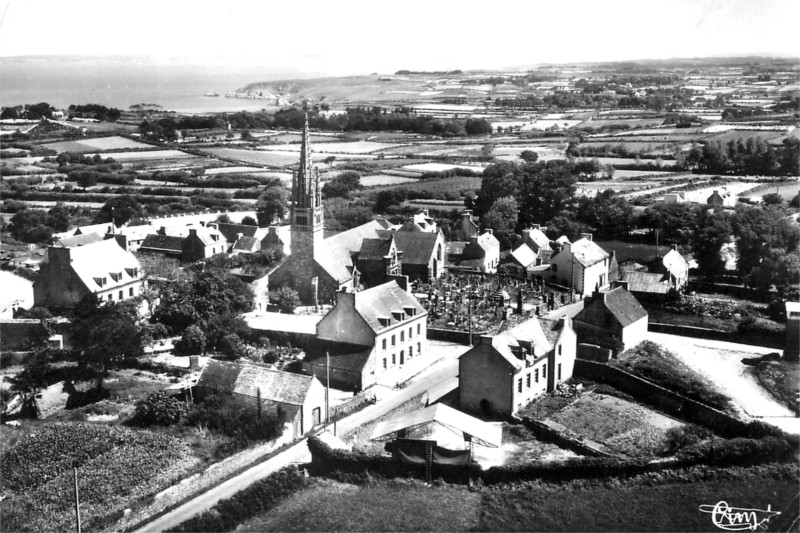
[674,268]
[368,333]
[424,254]
[720,199]
[581,265]
[300,397]
[612,315]
[482,253]
[465,228]
[505,372]
[523,256]
[378,261]
[156,243]
[537,241]
[101,268]
[202,243]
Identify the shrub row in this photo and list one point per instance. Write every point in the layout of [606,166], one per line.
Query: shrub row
[259,497]
[718,452]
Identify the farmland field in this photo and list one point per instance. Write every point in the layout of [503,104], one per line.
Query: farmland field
[357,147]
[382,179]
[787,190]
[440,167]
[456,183]
[102,143]
[623,505]
[127,157]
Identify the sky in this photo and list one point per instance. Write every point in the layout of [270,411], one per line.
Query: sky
[364,36]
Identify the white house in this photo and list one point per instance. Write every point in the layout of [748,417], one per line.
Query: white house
[581,265]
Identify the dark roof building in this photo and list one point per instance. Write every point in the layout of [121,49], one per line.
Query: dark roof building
[612,315]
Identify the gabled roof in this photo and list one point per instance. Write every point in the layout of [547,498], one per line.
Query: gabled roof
[231,231]
[246,244]
[78,240]
[586,252]
[162,243]
[342,245]
[378,302]
[384,223]
[538,238]
[524,255]
[417,247]
[209,236]
[455,247]
[674,262]
[374,249]
[249,379]
[647,282]
[104,265]
[439,414]
[624,307]
[331,260]
[102,229]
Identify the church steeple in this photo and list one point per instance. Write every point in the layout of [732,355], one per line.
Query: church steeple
[306,209]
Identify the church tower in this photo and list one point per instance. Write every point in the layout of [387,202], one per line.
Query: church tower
[306,209]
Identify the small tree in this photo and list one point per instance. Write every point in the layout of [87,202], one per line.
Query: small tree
[193,341]
[285,299]
[249,221]
[159,409]
[529,156]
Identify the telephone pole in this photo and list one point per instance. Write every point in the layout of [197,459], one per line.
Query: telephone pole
[77,504]
[327,386]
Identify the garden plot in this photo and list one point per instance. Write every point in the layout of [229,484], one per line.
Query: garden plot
[129,157]
[103,143]
[625,427]
[229,170]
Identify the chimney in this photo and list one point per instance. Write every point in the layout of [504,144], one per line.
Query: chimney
[536,226]
[402,281]
[467,214]
[489,231]
[59,258]
[122,240]
[526,235]
[162,230]
[273,230]
[239,236]
[486,340]
[621,283]
[587,236]
[674,247]
[192,232]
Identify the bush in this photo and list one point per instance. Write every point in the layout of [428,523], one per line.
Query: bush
[159,409]
[193,341]
[238,418]
[256,499]
[756,326]
[681,437]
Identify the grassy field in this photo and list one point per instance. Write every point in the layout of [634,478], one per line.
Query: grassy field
[456,183]
[91,145]
[782,380]
[787,190]
[622,426]
[376,180]
[654,503]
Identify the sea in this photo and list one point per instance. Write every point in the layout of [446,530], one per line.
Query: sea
[122,82]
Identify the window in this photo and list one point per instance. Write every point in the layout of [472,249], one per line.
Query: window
[559,372]
[383,344]
[410,352]
[393,343]
[537,375]
[528,381]
[418,330]
[402,336]
[519,385]
[384,363]
[121,295]
[130,291]
[554,267]
[410,332]
[394,359]
[110,297]
[419,348]
[559,349]
[544,371]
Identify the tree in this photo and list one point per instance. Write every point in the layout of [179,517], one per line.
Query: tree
[120,210]
[759,231]
[85,178]
[58,217]
[30,225]
[711,233]
[272,204]
[503,215]
[529,156]
[342,185]
[772,198]
[159,409]
[106,334]
[192,342]
[477,126]
[546,190]
[285,299]
[609,214]
[224,218]
[249,221]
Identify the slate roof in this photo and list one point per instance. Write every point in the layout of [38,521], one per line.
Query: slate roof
[538,238]
[246,244]
[339,247]
[524,255]
[381,300]
[647,282]
[231,231]
[374,249]
[248,379]
[455,247]
[384,222]
[623,306]
[102,229]
[162,243]
[417,247]
[350,357]
[586,252]
[78,240]
[209,236]
[98,261]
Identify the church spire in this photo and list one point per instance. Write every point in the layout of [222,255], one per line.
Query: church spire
[306,183]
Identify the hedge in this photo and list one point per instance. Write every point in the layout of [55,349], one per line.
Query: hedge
[256,499]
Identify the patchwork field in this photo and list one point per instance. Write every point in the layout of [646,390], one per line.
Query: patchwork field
[374,180]
[103,143]
[357,147]
[441,167]
[129,157]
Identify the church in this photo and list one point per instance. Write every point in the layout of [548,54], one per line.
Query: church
[318,268]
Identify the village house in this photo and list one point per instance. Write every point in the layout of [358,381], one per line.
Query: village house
[720,199]
[378,261]
[101,268]
[481,253]
[612,315]
[523,256]
[421,222]
[465,228]
[242,238]
[537,241]
[674,268]
[202,243]
[300,397]
[424,255]
[505,372]
[157,243]
[367,334]
[582,265]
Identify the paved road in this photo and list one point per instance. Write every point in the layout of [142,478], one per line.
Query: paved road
[722,363]
[440,378]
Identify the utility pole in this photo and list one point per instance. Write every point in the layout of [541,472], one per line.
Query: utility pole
[327,386]
[77,504]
